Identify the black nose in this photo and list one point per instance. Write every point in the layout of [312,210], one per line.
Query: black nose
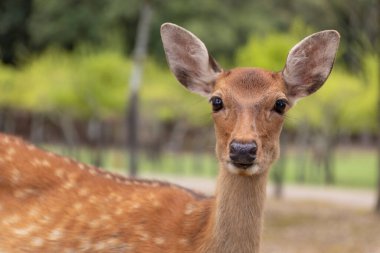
[243,154]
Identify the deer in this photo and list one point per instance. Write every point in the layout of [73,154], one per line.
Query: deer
[51,203]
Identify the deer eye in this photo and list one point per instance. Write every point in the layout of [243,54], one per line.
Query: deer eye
[280,106]
[217,104]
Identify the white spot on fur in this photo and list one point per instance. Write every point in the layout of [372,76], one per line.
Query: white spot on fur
[21,194]
[69,185]
[95,223]
[36,162]
[93,199]
[80,166]
[45,163]
[37,242]
[118,211]
[156,203]
[55,234]
[83,192]
[59,173]
[11,220]
[155,184]
[92,171]
[136,205]
[78,206]
[159,240]
[189,209]
[85,243]
[6,139]
[25,231]
[30,147]
[146,184]
[11,151]
[34,211]
[112,242]
[100,246]
[105,217]
[183,241]
[45,219]
[144,236]
[15,176]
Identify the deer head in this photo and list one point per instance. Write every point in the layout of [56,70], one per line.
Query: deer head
[249,104]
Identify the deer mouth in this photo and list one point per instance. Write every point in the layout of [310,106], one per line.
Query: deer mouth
[244,169]
[243,166]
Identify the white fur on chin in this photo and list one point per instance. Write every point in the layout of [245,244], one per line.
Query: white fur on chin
[250,171]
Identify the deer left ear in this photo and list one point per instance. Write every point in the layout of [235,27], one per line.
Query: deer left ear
[309,63]
[189,59]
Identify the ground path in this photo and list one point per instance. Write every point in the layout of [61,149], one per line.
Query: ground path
[346,197]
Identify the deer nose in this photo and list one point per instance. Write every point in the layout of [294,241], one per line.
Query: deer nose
[243,154]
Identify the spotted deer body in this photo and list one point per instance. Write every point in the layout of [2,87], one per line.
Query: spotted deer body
[49,203]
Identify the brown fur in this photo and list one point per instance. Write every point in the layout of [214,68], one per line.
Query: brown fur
[49,203]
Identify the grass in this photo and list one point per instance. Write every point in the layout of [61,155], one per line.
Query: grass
[353,167]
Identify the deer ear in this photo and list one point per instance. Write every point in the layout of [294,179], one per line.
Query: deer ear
[309,63]
[189,60]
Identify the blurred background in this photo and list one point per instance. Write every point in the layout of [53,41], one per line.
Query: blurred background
[89,79]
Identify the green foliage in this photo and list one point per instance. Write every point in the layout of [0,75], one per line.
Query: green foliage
[165,99]
[7,86]
[81,85]
[31,26]
[100,84]
[345,102]
[90,84]
[266,52]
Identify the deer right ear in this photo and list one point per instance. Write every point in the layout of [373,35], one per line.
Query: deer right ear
[189,60]
[309,63]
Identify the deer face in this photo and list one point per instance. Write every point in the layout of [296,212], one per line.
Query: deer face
[248,107]
[249,104]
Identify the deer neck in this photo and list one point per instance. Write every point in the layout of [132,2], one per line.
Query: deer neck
[237,218]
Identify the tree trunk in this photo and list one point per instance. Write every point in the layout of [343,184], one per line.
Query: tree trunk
[329,133]
[37,128]
[69,132]
[140,49]
[177,136]
[95,135]
[329,160]
[9,124]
